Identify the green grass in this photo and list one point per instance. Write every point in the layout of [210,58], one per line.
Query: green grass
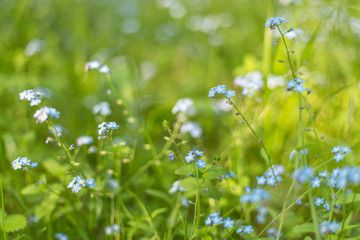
[186,65]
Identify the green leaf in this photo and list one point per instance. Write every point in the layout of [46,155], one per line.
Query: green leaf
[32,190]
[14,222]
[303,228]
[55,168]
[353,197]
[47,206]
[186,170]
[208,190]
[307,238]
[216,172]
[188,183]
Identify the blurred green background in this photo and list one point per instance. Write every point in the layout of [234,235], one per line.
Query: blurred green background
[161,51]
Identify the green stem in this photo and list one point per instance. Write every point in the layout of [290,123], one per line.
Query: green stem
[196,202]
[282,213]
[3,210]
[62,145]
[287,52]
[257,137]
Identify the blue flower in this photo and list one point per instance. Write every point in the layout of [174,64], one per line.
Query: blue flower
[298,201]
[201,164]
[261,180]
[326,206]
[315,182]
[228,223]
[220,89]
[271,22]
[33,164]
[304,151]
[212,93]
[271,181]
[185,202]
[190,157]
[76,188]
[331,181]
[339,157]
[299,88]
[61,236]
[323,174]
[171,157]
[298,80]
[248,229]
[336,149]
[198,153]
[90,183]
[345,149]
[291,84]
[84,140]
[216,220]
[23,161]
[104,69]
[34,96]
[112,125]
[301,175]
[42,114]
[324,227]
[338,206]
[319,201]
[333,226]
[208,221]
[247,189]
[229,93]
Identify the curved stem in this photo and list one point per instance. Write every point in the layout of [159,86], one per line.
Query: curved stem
[257,137]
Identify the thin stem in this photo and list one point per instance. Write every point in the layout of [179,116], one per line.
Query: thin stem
[287,52]
[283,212]
[257,137]
[196,202]
[62,145]
[3,210]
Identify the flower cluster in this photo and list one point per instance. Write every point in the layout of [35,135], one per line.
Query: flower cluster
[257,195]
[297,85]
[340,152]
[329,227]
[23,161]
[105,127]
[215,219]
[112,229]
[84,140]
[303,174]
[192,155]
[341,177]
[44,113]
[251,83]
[245,229]
[268,177]
[96,65]
[221,89]
[274,21]
[326,205]
[78,182]
[32,95]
